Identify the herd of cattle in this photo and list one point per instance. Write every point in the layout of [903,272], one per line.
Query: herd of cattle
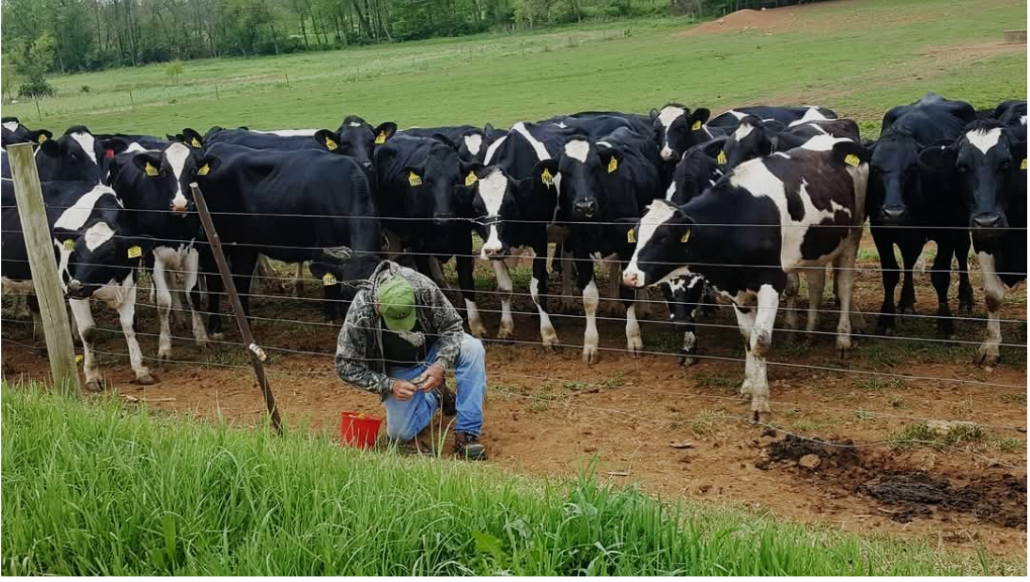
[738,204]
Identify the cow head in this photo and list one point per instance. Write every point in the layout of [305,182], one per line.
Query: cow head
[473,145]
[435,181]
[497,203]
[14,132]
[356,138]
[676,129]
[753,138]
[75,156]
[696,171]
[171,171]
[895,180]
[988,164]
[662,237]
[582,168]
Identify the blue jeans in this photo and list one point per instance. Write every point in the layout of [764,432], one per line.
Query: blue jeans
[406,419]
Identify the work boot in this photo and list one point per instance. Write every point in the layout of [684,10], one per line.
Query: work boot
[467,446]
[448,401]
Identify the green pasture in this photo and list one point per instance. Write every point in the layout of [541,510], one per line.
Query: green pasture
[859,58]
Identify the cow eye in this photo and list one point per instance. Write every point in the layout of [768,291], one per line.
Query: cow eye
[962,168]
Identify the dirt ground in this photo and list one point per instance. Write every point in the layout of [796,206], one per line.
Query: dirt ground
[548,414]
[823,16]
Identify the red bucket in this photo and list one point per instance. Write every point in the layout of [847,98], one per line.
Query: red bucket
[359,430]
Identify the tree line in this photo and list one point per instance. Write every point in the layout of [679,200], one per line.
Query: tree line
[45,36]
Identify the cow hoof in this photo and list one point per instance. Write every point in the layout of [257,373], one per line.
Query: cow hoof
[687,361]
[634,346]
[94,386]
[986,357]
[590,356]
[745,392]
[217,336]
[478,331]
[145,379]
[760,416]
[907,310]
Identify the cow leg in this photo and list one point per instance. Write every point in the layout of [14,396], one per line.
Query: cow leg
[126,315]
[177,312]
[298,279]
[32,302]
[242,275]
[567,305]
[790,300]
[505,286]
[467,284]
[538,282]
[965,290]
[746,322]
[215,289]
[941,279]
[815,277]
[84,320]
[160,275]
[890,276]
[845,266]
[614,307]
[910,252]
[761,341]
[634,341]
[591,299]
[994,293]
[191,265]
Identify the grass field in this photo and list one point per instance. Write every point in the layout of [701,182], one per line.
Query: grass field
[859,58]
[105,490]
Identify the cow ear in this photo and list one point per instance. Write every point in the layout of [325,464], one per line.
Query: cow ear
[773,125]
[208,164]
[445,140]
[327,139]
[148,162]
[937,158]
[139,247]
[414,175]
[611,158]
[851,153]
[41,135]
[50,147]
[653,114]
[488,128]
[192,138]
[698,118]
[713,148]
[384,131]
[544,172]
[470,170]
[115,145]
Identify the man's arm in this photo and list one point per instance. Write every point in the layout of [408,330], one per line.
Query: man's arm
[352,354]
[447,325]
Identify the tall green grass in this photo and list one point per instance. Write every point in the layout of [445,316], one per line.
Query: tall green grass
[102,489]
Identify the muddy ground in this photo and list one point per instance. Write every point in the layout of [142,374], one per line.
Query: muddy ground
[548,414]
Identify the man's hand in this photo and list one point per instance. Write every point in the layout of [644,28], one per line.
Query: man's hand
[431,378]
[403,390]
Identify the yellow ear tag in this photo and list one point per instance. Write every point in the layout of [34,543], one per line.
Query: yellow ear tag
[69,244]
[195,143]
[696,126]
[852,160]
[721,158]
[685,237]
[613,165]
[630,236]
[150,169]
[381,138]
[328,279]
[547,178]
[1022,166]
[414,179]
[471,178]
[78,358]
[330,144]
[135,252]
[41,138]
[203,170]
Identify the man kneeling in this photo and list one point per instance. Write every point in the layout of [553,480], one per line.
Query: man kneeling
[400,334]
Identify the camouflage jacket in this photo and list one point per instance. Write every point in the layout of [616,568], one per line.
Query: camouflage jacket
[359,351]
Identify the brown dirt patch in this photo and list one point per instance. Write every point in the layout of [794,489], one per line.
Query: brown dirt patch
[823,16]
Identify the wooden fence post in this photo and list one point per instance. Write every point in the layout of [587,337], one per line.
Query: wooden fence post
[45,279]
[257,355]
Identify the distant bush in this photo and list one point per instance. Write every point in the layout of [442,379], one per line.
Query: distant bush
[84,89]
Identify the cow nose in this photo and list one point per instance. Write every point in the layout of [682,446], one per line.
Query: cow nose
[367,165]
[893,213]
[629,279]
[987,220]
[586,207]
[667,153]
[179,206]
[74,285]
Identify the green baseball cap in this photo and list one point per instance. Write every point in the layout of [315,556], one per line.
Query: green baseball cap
[397,304]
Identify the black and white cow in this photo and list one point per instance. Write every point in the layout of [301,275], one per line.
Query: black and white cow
[988,164]
[906,203]
[784,115]
[76,155]
[1012,112]
[797,209]
[120,142]
[97,257]
[471,141]
[293,206]
[753,137]
[676,129]
[14,132]
[155,186]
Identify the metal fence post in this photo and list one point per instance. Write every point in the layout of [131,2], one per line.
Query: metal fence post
[45,279]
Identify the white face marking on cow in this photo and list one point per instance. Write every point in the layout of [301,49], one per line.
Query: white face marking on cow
[605,143]
[743,131]
[656,215]
[87,142]
[811,114]
[669,114]
[491,189]
[822,143]
[671,191]
[177,154]
[492,149]
[538,147]
[288,132]
[736,114]
[354,124]
[11,125]
[474,142]
[578,150]
[135,148]
[76,216]
[98,234]
[984,140]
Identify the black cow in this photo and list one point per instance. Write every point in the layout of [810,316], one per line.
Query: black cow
[76,155]
[905,204]
[1012,112]
[471,141]
[155,186]
[14,132]
[783,115]
[97,256]
[798,209]
[121,142]
[988,165]
[293,206]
